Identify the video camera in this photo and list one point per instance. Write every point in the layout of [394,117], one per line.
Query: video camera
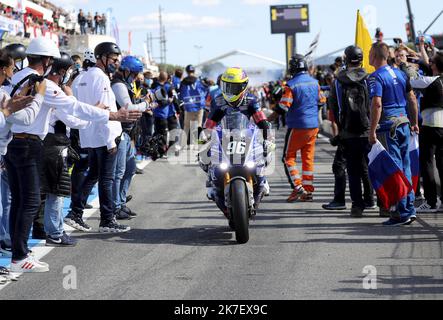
[32,79]
[154,147]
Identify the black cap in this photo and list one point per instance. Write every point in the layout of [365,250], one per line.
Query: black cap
[297,64]
[353,55]
[63,63]
[16,51]
[105,49]
[190,68]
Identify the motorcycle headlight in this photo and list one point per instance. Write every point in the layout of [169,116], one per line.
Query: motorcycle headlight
[224,166]
[250,164]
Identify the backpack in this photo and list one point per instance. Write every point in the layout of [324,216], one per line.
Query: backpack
[353,104]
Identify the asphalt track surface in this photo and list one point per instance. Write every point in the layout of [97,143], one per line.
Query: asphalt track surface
[181,247]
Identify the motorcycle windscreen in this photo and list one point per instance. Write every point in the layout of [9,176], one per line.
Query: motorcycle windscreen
[237,139]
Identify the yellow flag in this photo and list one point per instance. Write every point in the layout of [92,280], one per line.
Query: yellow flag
[364,41]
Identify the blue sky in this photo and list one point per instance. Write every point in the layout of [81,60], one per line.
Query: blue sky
[220,26]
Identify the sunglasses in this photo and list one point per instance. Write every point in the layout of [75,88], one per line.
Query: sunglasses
[115,60]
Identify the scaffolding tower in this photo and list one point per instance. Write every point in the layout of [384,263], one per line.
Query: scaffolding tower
[161,38]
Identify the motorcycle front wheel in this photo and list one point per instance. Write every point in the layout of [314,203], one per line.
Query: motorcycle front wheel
[239,211]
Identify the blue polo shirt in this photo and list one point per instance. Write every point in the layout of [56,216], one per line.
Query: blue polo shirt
[392,85]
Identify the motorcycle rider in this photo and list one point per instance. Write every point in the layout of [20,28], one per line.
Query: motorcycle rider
[234,95]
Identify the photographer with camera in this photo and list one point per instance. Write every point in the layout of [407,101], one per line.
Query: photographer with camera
[23,159]
[18,110]
[349,101]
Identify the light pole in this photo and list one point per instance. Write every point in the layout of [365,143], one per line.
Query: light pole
[411,20]
[198,51]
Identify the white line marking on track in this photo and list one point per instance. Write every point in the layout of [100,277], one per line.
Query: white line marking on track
[40,250]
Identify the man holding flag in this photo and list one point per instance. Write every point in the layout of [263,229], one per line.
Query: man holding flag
[390,91]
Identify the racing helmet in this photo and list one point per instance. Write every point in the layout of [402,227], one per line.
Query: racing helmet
[234,83]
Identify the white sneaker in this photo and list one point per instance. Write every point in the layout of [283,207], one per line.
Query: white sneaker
[440,208]
[38,261]
[28,265]
[426,208]
[266,189]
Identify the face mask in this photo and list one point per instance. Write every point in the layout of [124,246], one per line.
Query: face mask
[66,77]
[149,82]
[130,79]
[18,66]
[77,66]
[138,83]
[111,68]
[47,72]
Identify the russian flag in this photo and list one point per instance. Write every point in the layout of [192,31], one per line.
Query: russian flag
[387,178]
[415,162]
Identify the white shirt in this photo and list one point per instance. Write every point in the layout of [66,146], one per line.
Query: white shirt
[432,117]
[55,98]
[24,117]
[95,87]
[71,122]
[76,81]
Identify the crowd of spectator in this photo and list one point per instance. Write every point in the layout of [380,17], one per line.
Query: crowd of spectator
[83,24]
[90,24]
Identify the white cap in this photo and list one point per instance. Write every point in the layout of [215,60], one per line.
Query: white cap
[89,55]
[43,47]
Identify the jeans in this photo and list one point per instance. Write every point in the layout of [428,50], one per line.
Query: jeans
[78,177]
[125,169]
[131,167]
[431,145]
[82,29]
[5,206]
[398,148]
[101,169]
[356,152]
[339,170]
[54,216]
[23,163]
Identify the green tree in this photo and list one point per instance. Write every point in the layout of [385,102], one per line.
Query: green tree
[169,68]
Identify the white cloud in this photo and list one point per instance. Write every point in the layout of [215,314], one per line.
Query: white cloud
[260,2]
[177,20]
[206,3]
